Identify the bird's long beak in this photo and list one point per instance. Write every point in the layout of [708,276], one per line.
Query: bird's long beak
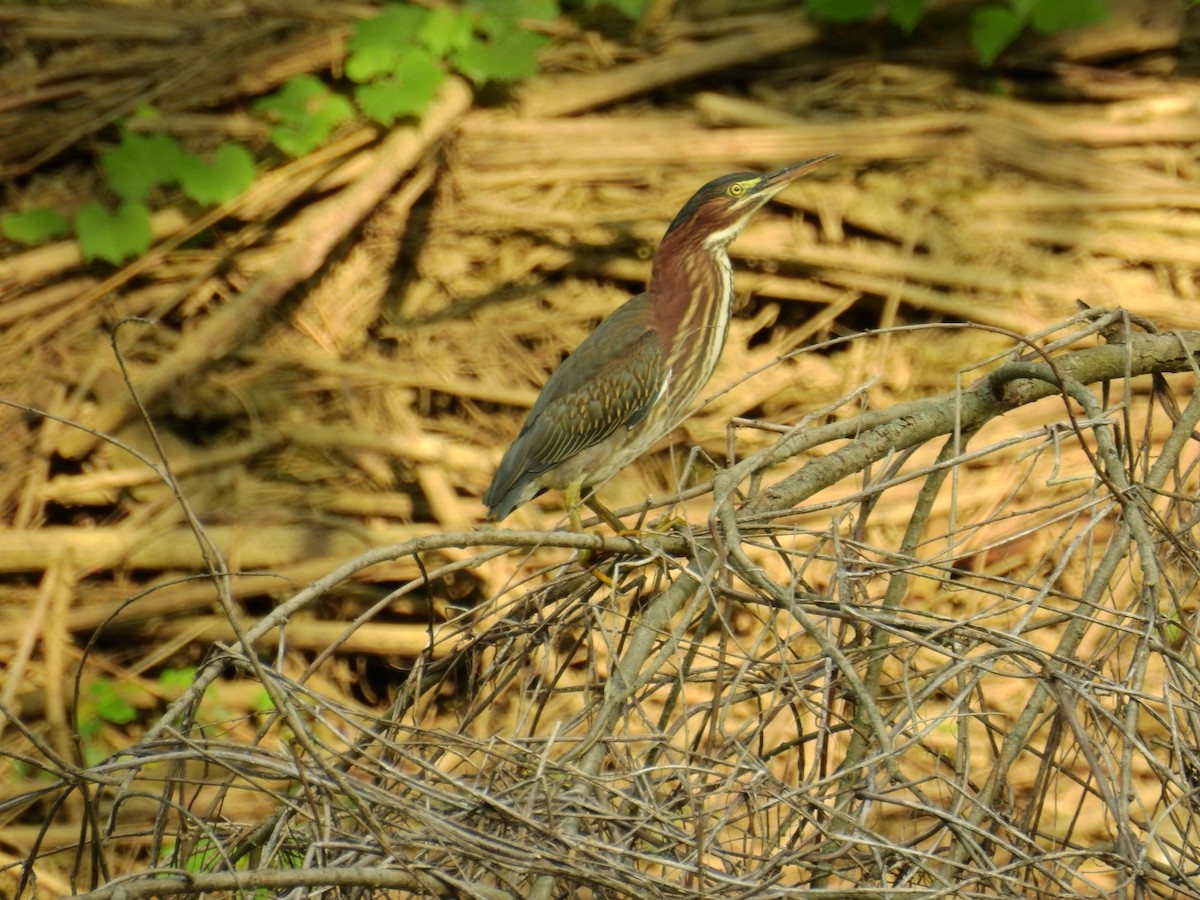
[777,181]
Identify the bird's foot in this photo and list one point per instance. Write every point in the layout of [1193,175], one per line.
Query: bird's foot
[668,522]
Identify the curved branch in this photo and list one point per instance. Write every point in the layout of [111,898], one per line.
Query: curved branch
[1005,389]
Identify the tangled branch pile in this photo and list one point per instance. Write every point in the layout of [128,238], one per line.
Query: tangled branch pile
[787,706]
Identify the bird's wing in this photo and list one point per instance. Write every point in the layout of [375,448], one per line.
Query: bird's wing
[616,395]
[609,382]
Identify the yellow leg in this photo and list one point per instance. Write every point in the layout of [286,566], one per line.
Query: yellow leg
[571,494]
[668,523]
[571,497]
[606,515]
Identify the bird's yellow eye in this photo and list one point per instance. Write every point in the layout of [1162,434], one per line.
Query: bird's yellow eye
[736,190]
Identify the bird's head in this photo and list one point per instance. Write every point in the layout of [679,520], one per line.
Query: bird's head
[719,210]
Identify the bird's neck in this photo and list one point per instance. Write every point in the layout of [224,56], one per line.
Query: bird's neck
[691,291]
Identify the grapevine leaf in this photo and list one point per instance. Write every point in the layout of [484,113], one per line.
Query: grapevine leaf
[307,111]
[299,138]
[511,10]
[408,91]
[906,13]
[231,172]
[141,162]
[1053,16]
[294,100]
[993,28]
[377,44]
[364,66]
[631,9]
[34,226]
[110,705]
[113,238]
[177,679]
[843,10]
[446,30]
[505,54]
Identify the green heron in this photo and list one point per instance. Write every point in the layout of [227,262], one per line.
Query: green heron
[634,377]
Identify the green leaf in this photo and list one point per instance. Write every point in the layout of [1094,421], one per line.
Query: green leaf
[113,238]
[110,705]
[408,92]
[993,28]
[843,10]
[141,162]
[203,857]
[177,679]
[231,172]
[1023,7]
[366,65]
[377,44]
[34,226]
[446,30]
[307,111]
[511,10]
[507,54]
[906,13]
[631,9]
[295,100]
[300,138]
[90,725]
[1053,16]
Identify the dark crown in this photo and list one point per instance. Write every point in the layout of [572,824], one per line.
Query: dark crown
[714,190]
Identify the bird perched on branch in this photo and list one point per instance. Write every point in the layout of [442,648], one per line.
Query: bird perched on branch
[634,377]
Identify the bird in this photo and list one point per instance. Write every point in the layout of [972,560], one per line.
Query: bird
[635,376]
